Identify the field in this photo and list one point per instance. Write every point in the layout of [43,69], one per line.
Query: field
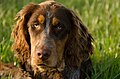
[102,18]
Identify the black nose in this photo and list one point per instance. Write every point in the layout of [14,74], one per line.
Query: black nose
[44,55]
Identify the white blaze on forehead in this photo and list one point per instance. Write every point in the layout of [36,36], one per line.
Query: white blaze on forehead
[48,15]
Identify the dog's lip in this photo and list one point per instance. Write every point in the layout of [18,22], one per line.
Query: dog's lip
[43,65]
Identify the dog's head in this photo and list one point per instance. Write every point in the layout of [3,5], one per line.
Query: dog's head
[52,36]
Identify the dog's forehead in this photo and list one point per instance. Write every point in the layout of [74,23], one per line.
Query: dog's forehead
[48,10]
[51,12]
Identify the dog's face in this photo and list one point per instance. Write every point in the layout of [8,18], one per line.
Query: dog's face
[48,35]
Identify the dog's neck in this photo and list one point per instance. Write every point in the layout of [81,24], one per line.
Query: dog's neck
[52,73]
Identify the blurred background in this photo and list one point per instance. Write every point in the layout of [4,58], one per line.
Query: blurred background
[102,18]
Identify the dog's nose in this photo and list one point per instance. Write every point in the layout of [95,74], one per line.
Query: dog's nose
[44,55]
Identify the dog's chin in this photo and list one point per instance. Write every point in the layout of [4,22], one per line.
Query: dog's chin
[48,66]
[44,67]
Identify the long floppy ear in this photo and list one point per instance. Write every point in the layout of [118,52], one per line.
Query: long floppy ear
[21,36]
[78,47]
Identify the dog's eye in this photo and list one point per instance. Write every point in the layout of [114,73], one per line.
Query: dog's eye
[36,26]
[59,27]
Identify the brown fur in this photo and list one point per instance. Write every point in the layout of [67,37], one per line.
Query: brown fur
[9,70]
[77,43]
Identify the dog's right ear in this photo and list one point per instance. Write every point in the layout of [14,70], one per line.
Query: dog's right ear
[20,34]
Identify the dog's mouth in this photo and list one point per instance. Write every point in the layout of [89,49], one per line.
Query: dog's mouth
[43,65]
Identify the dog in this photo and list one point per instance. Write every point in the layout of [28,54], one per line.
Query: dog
[51,42]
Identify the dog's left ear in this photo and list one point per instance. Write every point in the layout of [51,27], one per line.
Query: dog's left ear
[79,44]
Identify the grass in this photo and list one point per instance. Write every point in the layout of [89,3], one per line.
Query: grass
[102,17]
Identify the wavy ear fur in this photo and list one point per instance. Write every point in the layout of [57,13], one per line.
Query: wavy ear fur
[78,47]
[21,36]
